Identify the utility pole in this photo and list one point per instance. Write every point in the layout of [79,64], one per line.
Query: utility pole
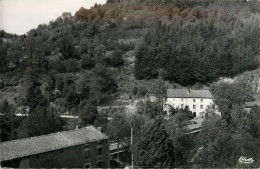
[29,64]
[132,155]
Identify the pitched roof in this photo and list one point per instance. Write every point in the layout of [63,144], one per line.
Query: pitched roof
[41,144]
[184,93]
[253,104]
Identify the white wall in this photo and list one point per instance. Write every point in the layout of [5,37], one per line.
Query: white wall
[177,102]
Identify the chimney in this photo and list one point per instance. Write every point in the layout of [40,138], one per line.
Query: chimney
[100,129]
[189,90]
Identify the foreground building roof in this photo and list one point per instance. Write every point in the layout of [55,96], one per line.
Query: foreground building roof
[185,93]
[35,145]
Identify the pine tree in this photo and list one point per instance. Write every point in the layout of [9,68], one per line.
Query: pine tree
[152,146]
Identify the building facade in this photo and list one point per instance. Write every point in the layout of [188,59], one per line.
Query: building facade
[196,100]
[83,148]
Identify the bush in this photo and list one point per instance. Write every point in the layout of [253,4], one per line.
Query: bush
[117,59]
[142,91]
[57,66]
[87,62]
[72,65]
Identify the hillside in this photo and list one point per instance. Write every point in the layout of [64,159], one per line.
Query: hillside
[104,52]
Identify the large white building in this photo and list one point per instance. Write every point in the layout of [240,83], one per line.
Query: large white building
[197,100]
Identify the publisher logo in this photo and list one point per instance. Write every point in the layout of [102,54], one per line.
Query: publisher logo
[246,160]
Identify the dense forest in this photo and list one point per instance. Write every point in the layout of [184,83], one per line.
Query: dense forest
[197,52]
[198,44]
[82,61]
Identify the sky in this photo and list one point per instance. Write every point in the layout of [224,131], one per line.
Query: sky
[19,16]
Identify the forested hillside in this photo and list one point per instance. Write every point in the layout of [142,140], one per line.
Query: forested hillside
[89,59]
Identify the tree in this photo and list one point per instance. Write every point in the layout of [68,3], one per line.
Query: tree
[117,59]
[118,128]
[3,58]
[66,16]
[35,97]
[160,91]
[150,109]
[88,112]
[224,93]
[136,121]
[60,84]
[102,83]
[152,146]
[43,121]
[182,114]
[224,143]
[177,129]
[8,121]
[67,47]
[87,62]
[101,120]
[42,118]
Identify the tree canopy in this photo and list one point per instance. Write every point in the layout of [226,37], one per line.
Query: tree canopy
[152,146]
[223,143]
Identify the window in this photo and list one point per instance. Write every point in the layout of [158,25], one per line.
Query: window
[194,106]
[182,100]
[87,166]
[86,146]
[165,112]
[194,100]
[100,164]
[182,106]
[194,114]
[100,151]
[201,100]
[201,106]
[86,154]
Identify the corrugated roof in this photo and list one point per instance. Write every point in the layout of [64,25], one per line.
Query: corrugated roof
[40,144]
[184,93]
